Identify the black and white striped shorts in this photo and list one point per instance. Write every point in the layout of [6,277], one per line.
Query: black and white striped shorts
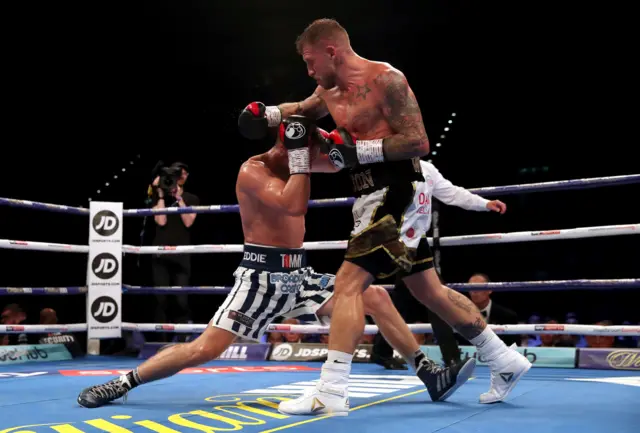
[259,296]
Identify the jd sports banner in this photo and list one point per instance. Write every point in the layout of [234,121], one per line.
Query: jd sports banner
[104,269]
[313,352]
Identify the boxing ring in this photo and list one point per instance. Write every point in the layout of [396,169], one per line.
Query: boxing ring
[237,393]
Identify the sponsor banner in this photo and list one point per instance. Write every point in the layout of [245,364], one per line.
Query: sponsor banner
[313,352]
[559,357]
[235,352]
[200,370]
[554,357]
[609,359]
[104,269]
[33,353]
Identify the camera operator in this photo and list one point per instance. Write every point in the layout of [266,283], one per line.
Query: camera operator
[172,230]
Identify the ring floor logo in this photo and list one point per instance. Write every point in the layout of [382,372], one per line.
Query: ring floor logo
[104,266]
[252,411]
[104,309]
[230,412]
[105,223]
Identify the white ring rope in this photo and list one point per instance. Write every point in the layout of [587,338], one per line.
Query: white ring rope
[491,238]
[556,329]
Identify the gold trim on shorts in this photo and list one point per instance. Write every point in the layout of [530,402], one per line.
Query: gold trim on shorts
[381,234]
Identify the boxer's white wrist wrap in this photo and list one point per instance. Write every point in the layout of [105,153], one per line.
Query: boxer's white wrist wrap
[369,151]
[273,115]
[299,161]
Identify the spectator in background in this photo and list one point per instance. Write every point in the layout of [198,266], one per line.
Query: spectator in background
[601,341]
[13,314]
[492,312]
[48,316]
[549,340]
[534,339]
[626,341]
[173,230]
[568,340]
[275,338]
[291,337]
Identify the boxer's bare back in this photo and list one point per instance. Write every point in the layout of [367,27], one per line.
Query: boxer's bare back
[273,207]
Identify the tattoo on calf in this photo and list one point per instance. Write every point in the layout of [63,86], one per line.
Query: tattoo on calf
[460,301]
[471,330]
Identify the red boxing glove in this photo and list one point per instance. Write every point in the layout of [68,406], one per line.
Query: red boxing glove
[323,133]
[256,119]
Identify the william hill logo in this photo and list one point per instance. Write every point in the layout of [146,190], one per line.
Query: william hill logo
[623,360]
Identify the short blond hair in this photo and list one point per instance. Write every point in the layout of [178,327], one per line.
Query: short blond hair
[321,29]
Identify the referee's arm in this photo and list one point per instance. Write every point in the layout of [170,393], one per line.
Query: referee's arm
[453,195]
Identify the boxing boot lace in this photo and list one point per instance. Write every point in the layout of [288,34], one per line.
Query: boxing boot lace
[441,382]
[99,395]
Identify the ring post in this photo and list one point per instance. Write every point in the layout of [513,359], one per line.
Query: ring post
[104,274]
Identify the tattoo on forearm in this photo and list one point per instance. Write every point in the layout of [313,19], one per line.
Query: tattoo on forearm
[471,330]
[402,111]
[460,301]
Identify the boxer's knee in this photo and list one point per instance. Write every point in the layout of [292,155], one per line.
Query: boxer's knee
[209,345]
[376,301]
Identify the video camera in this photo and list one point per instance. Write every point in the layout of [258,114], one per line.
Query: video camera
[169,176]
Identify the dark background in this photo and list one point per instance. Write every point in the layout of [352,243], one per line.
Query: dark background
[541,92]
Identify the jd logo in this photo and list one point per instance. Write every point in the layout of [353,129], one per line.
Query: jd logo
[104,309]
[104,266]
[105,223]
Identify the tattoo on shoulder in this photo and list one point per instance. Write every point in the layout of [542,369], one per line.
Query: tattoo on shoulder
[399,103]
[400,108]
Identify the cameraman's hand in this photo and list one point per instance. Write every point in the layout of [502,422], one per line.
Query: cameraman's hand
[155,184]
[178,195]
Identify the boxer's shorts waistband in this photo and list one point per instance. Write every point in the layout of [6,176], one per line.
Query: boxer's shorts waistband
[273,259]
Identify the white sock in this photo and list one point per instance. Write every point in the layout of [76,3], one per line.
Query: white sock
[489,345]
[339,357]
[337,367]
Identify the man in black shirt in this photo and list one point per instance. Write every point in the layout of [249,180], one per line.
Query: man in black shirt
[172,230]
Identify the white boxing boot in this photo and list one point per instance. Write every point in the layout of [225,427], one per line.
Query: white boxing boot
[506,371]
[329,397]
[324,399]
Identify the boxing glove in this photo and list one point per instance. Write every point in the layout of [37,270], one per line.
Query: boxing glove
[256,119]
[345,151]
[296,138]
